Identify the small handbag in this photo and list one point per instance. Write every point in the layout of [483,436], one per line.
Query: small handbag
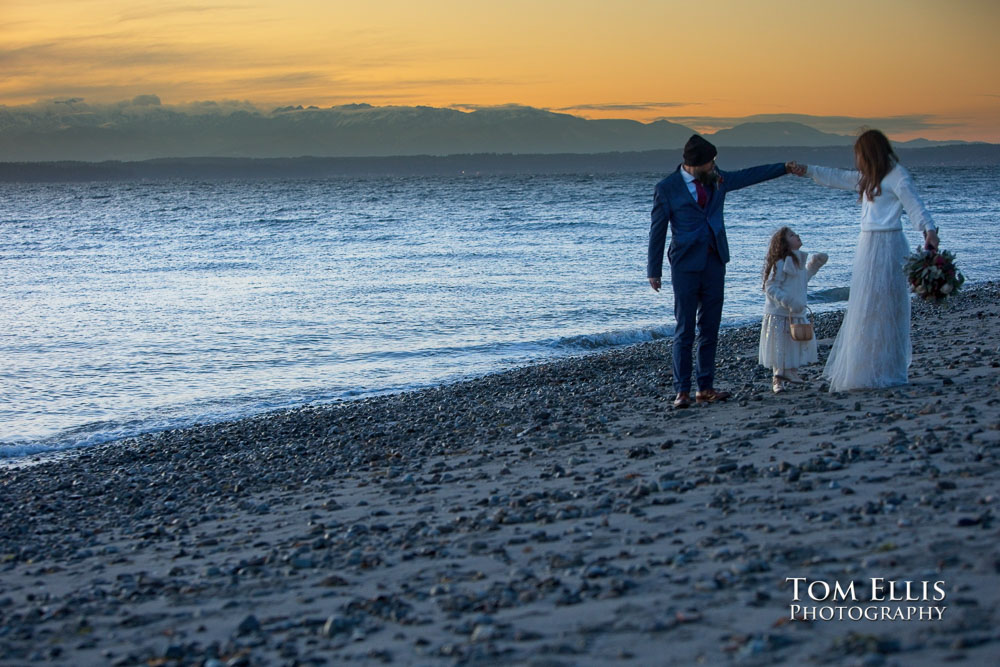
[801,331]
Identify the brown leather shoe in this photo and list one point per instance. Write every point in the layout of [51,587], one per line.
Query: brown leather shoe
[711,396]
[683,400]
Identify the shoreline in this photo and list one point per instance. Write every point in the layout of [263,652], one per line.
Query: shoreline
[25,460]
[556,513]
[61,451]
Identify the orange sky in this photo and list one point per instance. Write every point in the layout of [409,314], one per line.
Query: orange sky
[932,66]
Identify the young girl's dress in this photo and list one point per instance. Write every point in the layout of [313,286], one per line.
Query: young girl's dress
[872,348]
[785,292]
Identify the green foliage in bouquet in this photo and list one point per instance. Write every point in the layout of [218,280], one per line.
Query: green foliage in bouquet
[933,275]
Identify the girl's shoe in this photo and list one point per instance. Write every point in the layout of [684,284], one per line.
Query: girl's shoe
[778,384]
[791,375]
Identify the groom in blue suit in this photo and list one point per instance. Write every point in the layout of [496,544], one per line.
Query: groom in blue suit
[689,202]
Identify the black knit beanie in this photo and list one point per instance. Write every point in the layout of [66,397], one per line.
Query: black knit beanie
[698,151]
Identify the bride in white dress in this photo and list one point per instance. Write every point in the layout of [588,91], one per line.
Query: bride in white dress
[872,348]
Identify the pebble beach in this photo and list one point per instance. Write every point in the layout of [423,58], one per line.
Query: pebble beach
[557,514]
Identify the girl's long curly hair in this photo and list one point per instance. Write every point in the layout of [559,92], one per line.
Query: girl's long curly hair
[777,250]
[875,158]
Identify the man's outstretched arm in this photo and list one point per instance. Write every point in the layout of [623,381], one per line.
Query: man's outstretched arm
[741,178]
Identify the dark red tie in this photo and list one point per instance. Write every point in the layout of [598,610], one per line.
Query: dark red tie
[702,193]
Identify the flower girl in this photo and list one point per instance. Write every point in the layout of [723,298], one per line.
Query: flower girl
[786,273]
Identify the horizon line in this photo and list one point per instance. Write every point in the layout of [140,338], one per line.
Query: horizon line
[958,145]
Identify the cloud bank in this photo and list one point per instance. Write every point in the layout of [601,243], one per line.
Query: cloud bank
[642,106]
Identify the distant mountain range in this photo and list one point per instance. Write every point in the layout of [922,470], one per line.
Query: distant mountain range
[148,130]
[798,134]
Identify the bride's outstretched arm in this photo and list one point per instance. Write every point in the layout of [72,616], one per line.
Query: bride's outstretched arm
[844,179]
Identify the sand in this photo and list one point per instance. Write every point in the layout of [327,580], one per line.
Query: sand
[559,514]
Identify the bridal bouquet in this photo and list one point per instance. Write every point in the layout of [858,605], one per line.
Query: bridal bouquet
[933,275]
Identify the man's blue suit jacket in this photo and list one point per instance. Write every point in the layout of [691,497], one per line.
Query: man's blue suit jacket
[691,226]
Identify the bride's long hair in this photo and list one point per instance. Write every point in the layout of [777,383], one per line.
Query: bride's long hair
[777,250]
[875,158]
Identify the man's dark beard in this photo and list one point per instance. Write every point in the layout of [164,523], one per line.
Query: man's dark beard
[708,178]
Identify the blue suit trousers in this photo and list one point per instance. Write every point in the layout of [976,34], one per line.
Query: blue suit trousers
[698,297]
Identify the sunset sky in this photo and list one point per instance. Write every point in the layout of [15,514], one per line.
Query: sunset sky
[915,67]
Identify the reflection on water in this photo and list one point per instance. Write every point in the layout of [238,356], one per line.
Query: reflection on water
[137,306]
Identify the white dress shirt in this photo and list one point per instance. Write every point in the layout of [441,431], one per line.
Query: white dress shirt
[689,181]
[885,213]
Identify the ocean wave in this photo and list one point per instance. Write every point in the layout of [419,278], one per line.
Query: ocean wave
[832,295]
[11,453]
[78,437]
[613,338]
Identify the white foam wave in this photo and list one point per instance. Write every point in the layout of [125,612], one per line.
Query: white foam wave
[614,338]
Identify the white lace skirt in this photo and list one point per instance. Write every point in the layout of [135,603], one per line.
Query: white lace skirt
[778,350]
[872,348]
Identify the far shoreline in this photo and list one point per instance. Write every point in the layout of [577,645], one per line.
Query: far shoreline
[460,165]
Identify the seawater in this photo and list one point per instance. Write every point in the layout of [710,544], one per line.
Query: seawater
[141,306]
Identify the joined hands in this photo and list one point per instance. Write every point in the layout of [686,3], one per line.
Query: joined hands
[795,168]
